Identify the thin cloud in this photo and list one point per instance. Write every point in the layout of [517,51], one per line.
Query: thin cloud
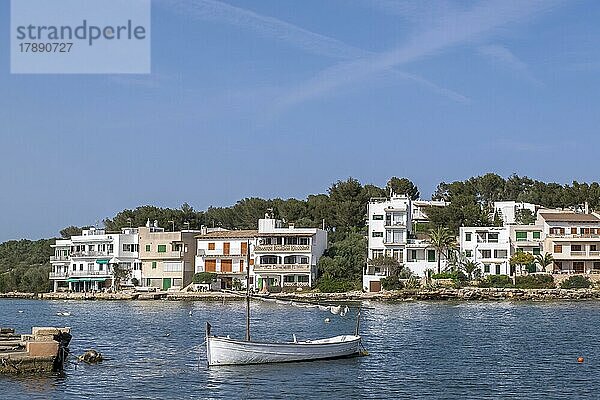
[273,28]
[503,57]
[265,26]
[457,28]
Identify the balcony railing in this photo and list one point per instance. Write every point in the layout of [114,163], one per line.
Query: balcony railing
[578,253]
[59,258]
[88,272]
[282,268]
[91,254]
[58,275]
[159,256]
[270,248]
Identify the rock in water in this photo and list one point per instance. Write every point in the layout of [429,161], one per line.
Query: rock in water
[91,357]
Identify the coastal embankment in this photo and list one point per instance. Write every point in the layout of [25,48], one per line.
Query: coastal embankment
[442,294]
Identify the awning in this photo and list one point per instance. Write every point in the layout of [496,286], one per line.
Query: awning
[102,261]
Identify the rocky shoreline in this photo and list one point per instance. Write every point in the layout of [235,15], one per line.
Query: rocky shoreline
[443,294]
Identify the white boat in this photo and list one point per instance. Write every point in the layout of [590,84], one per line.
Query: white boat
[226,351]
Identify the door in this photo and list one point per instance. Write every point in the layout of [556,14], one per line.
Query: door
[166,283]
[374,286]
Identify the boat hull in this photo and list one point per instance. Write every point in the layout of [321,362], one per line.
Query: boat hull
[225,351]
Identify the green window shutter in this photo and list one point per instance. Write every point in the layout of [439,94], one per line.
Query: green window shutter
[147,247]
[431,255]
[153,264]
[162,248]
[486,268]
[536,251]
[521,235]
[537,234]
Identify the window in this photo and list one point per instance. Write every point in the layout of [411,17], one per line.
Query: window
[573,231]
[81,267]
[302,278]
[243,248]
[377,217]
[558,248]
[377,234]
[162,248]
[469,253]
[493,237]
[74,267]
[147,247]
[521,235]
[500,253]
[303,241]
[536,251]
[593,247]
[537,235]
[153,264]
[486,268]
[413,255]
[575,247]
[289,279]
[497,270]
[468,236]
[431,255]
[171,266]
[241,265]
[376,254]
[303,260]
[226,248]
[486,253]
[596,265]
[211,246]
[289,260]
[393,236]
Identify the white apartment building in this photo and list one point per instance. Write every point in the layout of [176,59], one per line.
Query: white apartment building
[419,209]
[86,262]
[488,246]
[390,226]
[286,255]
[227,253]
[509,210]
[573,239]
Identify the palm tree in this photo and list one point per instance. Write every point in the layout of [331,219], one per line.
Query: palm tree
[470,267]
[440,239]
[544,260]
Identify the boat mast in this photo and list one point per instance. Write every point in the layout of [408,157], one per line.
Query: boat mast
[248,292]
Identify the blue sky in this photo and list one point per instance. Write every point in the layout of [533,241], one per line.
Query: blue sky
[281,98]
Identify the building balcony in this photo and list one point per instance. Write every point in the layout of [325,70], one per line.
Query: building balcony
[87,272]
[162,256]
[59,275]
[578,253]
[265,268]
[571,237]
[91,254]
[59,258]
[283,248]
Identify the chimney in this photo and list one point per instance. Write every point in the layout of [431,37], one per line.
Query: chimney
[148,223]
[587,207]
[203,230]
[156,223]
[291,226]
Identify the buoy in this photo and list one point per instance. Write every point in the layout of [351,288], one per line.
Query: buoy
[168,334]
[190,313]
[20,311]
[327,320]
[580,359]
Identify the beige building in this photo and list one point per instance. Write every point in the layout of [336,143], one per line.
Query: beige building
[167,257]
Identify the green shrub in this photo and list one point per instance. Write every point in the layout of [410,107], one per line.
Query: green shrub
[576,282]
[328,285]
[391,283]
[496,281]
[445,275]
[204,277]
[538,281]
